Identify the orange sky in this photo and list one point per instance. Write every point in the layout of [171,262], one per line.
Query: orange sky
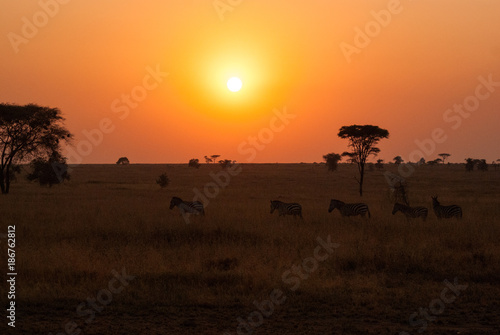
[94,60]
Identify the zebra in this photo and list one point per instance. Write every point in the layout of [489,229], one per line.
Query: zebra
[349,209]
[445,212]
[410,212]
[294,209]
[194,207]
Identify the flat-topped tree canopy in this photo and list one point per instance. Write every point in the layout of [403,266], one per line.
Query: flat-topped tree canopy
[362,141]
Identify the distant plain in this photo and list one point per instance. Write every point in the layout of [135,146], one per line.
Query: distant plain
[201,277]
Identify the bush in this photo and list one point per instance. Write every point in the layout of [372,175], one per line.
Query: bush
[332,161]
[163,180]
[194,163]
[51,172]
[123,161]
[225,163]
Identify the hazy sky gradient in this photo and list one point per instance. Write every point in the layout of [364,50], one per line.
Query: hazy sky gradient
[425,59]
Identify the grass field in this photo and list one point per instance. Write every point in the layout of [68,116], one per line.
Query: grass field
[202,277]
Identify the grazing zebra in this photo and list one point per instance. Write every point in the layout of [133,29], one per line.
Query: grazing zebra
[194,207]
[349,209]
[446,212]
[286,209]
[410,212]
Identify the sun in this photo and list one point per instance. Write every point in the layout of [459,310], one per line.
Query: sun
[234,84]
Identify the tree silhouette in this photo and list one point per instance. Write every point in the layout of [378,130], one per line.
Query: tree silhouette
[51,172]
[123,161]
[469,165]
[482,165]
[362,141]
[380,164]
[444,156]
[208,160]
[398,160]
[28,132]
[225,163]
[214,158]
[194,162]
[332,160]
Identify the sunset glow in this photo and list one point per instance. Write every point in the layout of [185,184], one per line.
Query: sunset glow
[158,71]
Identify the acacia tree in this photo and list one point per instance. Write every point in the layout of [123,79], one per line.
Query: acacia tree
[444,156]
[214,158]
[28,132]
[397,160]
[362,141]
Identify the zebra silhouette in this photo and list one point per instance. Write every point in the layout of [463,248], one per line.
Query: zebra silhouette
[194,207]
[446,212]
[349,209]
[283,208]
[410,212]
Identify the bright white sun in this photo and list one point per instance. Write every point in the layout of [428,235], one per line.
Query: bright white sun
[234,84]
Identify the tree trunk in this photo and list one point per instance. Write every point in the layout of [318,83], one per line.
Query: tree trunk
[2,182]
[361,177]
[7,179]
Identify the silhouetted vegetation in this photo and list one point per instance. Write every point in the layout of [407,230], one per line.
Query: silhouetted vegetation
[434,162]
[28,132]
[479,163]
[380,164]
[332,160]
[225,163]
[444,156]
[123,161]
[163,180]
[362,141]
[214,158]
[49,172]
[398,160]
[194,162]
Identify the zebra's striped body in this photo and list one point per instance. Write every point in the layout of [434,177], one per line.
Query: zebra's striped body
[286,209]
[194,207]
[349,209]
[411,212]
[446,212]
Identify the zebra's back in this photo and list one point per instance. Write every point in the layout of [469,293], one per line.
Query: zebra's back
[355,209]
[284,208]
[411,212]
[447,212]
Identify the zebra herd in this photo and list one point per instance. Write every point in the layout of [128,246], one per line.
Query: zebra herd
[295,209]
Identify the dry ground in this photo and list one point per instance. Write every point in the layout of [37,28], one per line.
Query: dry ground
[201,277]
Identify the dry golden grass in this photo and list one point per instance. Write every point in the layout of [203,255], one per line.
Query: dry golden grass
[71,236]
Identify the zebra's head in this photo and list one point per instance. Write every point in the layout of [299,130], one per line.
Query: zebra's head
[334,204]
[435,201]
[175,202]
[396,208]
[274,205]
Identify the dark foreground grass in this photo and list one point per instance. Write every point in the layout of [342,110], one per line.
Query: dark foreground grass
[201,277]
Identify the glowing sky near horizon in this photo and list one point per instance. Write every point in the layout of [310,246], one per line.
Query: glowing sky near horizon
[148,80]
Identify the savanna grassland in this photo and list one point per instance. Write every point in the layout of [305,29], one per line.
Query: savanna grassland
[199,278]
